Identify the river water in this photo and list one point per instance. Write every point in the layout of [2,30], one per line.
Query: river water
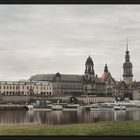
[65,117]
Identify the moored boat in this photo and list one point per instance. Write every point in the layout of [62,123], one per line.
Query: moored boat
[57,107]
[95,108]
[119,107]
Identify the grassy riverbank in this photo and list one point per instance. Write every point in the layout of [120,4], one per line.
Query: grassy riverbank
[127,128]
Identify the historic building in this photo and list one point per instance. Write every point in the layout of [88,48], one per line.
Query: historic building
[62,83]
[87,87]
[100,86]
[124,87]
[110,82]
[20,88]
[87,84]
[127,88]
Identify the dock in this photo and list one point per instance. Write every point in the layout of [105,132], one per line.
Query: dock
[13,107]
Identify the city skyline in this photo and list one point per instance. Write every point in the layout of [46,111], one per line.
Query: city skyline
[42,39]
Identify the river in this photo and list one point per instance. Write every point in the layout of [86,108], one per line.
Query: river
[65,117]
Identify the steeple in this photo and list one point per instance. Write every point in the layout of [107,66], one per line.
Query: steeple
[127,52]
[106,68]
[127,67]
[89,68]
[127,56]
[127,45]
[89,61]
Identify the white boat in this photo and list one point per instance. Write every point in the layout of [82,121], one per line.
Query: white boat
[119,107]
[95,108]
[73,105]
[57,107]
[81,107]
[30,107]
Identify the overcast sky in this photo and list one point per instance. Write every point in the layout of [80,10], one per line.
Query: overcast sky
[41,39]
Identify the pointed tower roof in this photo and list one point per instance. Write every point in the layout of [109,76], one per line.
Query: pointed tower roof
[106,68]
[89,60]
[105,74]
[127,52]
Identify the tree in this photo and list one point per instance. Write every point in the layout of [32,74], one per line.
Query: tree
[72,100]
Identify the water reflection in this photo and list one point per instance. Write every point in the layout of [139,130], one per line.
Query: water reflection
[65,117]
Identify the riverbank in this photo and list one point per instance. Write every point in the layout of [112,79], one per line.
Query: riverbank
[113,128]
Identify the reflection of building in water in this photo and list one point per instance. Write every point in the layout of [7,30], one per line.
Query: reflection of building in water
[57,116]
[31,116]
[51,117]
[18,117]
[102,115]
[132,115]
[136,115]
[12,117]
[119,115]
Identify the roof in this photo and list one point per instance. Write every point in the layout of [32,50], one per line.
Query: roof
[89,60]
[99,80]
[49,77]
[105,76]
[23,83]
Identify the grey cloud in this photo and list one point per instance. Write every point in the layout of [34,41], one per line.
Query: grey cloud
[51,38]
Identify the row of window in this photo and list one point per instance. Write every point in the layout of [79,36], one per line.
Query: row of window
[65,81]
[28,87]
[48,84]
[71,89]
[72,86]
[23,93]
[94,100]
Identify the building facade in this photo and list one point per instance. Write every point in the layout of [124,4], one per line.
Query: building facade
[127,88]
[87,84]
[25,88]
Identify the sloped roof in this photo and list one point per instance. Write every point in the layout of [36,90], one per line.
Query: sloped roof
[105,76]
[64,77]
[23,83]
[49,77]
[89,60]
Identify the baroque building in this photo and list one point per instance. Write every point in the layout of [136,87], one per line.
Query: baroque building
[127,69]
[125,87]
[76,85]
[128,89]
[26,88]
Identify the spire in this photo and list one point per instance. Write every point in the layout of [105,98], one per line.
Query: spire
[127,52]
[127,45]
[106,68]
[89,60]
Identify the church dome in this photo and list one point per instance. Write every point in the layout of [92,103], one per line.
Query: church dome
[57,75]
[89,60]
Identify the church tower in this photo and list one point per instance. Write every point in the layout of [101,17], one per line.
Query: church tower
[127,68]
[89,70]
